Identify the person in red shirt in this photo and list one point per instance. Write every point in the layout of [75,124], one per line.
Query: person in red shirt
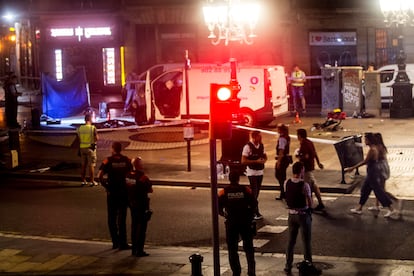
[308,155]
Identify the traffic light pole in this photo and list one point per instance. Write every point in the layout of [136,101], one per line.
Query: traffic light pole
[187,107]
[214,206]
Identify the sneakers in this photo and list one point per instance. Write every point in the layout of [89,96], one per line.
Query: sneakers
[356,211]
[373,208]
[320,207]
[288,270]
[258,216]
[389,213]
[83,183]
[93,183]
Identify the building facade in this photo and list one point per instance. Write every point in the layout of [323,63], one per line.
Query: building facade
[111,38]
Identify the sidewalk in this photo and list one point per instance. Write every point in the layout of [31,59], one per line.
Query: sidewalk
[30,255]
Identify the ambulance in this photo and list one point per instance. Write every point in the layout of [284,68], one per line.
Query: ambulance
[170,96]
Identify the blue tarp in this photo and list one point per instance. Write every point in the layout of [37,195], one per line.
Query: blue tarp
[65,98]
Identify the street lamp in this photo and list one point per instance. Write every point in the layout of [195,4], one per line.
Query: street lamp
[230,20]
[400,13]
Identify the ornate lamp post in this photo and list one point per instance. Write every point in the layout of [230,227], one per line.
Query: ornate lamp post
[400,13]
[227,21]
[230,20]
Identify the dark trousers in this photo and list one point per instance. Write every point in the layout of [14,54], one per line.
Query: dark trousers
[117,211]
[280,175]
[304,223]
[374,183]
[11,106]
[256,184]
[234,230]
[139,223]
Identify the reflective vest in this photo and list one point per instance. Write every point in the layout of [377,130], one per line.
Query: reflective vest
[298,75]
[86,135]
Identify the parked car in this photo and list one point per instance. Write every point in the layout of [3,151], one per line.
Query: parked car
[388,74]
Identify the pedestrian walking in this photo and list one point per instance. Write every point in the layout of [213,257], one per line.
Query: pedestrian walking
[116,167]
[254,157]
[238,205]
[385,173]
[374,180]
[130,86]
[299,202]
[11,103]
[298,80]
[308,155]
[139,186]
[88,137]
[283,159]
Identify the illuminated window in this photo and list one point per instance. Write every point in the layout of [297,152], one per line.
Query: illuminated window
[108,55]
[58,64]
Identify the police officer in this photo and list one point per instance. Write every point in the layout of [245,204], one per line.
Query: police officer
[139,186]
[11,103]
[254,157]
[238,205]
[116,166]
[299,202]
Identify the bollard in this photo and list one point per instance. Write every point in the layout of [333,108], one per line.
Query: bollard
[196,260]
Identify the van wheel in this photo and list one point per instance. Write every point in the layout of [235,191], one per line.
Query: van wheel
[249,119]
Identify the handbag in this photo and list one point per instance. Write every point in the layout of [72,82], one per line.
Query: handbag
[385,169]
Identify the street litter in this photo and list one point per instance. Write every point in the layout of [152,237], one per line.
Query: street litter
[333,120]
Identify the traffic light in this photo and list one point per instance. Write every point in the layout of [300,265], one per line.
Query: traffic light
[221,110]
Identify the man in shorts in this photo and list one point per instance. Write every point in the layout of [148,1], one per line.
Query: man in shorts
[88,136]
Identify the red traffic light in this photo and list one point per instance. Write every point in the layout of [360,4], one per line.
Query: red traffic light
[221,110]
[224,93]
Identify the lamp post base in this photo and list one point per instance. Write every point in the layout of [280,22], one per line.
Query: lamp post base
[402,102]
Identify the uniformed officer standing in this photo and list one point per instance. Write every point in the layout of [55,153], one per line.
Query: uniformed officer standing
[238,205]
[116,166]
[299,202]
[139,186]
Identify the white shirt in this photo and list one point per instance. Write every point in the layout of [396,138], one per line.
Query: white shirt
[247,152]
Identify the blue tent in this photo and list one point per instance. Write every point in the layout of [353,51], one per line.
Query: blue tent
[65,98]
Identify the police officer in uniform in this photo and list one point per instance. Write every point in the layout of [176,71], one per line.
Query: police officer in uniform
[254,157]
[238,205]
[116,166]
[299,202]
[139,186]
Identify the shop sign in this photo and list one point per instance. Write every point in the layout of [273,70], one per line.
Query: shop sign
[332,38]
[80,32]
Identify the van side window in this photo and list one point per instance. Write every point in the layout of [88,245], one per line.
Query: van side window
[386,76]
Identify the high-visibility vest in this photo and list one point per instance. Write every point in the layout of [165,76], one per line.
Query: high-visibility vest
[86,135]
[298,74]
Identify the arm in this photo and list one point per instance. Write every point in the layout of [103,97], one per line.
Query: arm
[221,203]
[101,174]
[308,194]
[95,134]
[320,165]
[370,155]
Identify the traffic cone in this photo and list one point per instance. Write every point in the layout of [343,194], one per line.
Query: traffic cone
[297,119]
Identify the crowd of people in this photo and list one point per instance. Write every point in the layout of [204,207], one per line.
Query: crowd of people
[127,186]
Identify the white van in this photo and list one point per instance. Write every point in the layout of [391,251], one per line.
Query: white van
[263,92]
[387,79]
